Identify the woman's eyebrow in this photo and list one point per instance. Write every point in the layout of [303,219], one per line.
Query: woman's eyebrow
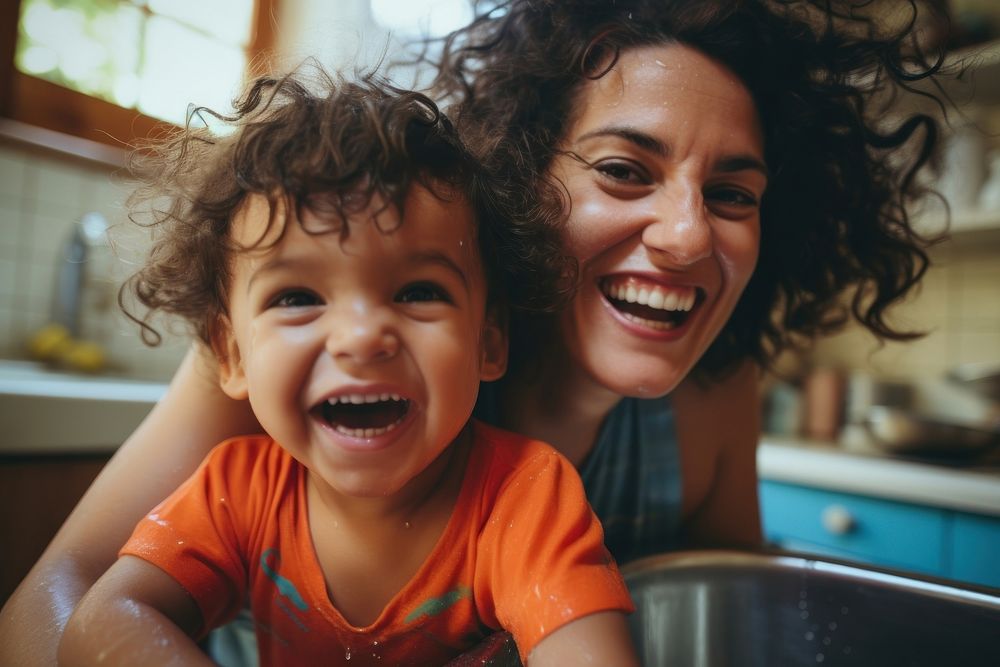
[648,142]
[641,139]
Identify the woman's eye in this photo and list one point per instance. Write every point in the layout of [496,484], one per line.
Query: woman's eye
[732,202]
[622,172]
[421,292]
[295,299]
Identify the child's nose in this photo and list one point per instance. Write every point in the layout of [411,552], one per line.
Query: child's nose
[362,337]
[681,233]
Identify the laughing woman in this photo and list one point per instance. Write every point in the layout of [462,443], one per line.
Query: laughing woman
[714,169]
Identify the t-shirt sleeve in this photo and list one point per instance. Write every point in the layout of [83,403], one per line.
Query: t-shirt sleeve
[194,537]
[542,559]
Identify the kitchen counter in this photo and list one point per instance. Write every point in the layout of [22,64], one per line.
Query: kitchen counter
[44,412]
[48,412]
[872,473]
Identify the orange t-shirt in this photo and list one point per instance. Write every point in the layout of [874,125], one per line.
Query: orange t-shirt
[522,551]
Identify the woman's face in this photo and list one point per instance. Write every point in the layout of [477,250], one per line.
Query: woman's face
[665,214]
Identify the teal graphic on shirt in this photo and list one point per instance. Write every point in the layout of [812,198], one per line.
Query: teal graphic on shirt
[285,586]
[435,606]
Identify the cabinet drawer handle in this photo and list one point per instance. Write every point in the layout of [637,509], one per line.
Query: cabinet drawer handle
[837,520]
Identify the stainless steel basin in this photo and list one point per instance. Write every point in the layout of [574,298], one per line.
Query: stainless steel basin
[725,608]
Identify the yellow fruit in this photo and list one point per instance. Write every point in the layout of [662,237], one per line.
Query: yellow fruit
[84,356]
[49,342]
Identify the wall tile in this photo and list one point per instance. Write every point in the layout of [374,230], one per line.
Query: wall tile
[10,227]
[12,166]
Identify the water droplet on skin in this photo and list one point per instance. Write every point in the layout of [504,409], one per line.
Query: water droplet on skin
[661,63]
[180,541]
[347,655]
[407,524]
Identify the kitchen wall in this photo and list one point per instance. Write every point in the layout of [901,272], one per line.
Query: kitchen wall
[958,305]
[42,194]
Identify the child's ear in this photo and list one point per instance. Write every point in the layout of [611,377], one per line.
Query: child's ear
[493,345]
[232,379]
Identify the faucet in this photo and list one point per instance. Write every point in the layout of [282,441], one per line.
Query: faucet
[90,230]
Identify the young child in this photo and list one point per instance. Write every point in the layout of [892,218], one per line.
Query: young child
[342,256]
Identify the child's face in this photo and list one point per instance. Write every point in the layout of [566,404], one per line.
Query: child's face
[362,356]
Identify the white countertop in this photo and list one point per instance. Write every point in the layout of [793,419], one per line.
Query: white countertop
[826,466]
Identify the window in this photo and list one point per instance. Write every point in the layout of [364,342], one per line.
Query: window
[417,18]
[110,70]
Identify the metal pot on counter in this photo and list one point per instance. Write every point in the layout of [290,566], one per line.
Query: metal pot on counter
[957,418]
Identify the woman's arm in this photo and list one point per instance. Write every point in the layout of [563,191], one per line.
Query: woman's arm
[136,614]
[718,426]
[167,447]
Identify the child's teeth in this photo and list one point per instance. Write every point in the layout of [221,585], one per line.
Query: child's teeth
[358,399]
[364,432]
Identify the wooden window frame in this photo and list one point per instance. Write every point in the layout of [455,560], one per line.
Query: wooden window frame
[34,101]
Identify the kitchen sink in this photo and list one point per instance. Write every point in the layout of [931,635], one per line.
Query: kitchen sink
[780,609]
[726,608]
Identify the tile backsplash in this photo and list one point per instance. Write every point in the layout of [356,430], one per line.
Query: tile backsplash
[42,195]
[957,305]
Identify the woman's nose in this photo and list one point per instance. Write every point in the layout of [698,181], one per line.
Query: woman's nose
[361,336]
[681,232]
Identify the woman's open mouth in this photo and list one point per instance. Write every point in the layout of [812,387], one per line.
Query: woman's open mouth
[363,415]
[658,307]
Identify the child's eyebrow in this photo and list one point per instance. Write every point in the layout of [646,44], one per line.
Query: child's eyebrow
[440,259]
[271,266]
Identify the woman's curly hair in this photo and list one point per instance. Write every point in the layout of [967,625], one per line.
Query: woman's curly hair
[327,144]
[834,218]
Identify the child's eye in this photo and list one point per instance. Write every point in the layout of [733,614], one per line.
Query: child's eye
[294,299]
[420,292]
[622,172]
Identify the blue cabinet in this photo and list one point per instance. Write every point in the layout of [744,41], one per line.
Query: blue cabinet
[915,538]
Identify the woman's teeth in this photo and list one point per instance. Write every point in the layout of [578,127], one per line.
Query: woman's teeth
[658,297]
[656,307]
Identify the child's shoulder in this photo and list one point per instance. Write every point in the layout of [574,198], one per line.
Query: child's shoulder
[247,451]
[513,451]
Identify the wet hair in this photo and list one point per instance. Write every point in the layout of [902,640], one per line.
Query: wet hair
[836,238]
[326,144]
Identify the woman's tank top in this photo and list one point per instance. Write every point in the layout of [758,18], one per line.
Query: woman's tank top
[632,477]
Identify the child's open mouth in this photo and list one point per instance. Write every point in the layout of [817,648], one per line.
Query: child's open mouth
[651,305]
[363,415]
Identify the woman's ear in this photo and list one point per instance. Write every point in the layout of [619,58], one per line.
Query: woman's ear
[232,378]
[493,345]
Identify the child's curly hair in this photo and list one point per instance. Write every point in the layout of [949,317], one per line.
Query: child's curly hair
[834,218]
[311,144]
